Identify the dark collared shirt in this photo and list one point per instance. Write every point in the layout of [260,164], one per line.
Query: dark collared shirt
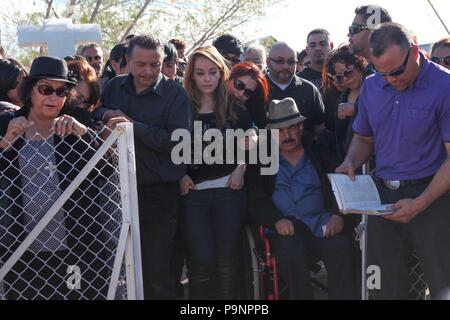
[306,96]
[156,113]
[409,127]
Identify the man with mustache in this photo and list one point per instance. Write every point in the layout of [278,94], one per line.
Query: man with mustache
[298,207]
[319,46]
[283,83]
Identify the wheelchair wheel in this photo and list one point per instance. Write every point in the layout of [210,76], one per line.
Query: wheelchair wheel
[250,268]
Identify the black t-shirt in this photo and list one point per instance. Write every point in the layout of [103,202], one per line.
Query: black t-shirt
[203,172]
[312,76]
[306,96]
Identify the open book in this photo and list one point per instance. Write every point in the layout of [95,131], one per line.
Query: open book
[359,197]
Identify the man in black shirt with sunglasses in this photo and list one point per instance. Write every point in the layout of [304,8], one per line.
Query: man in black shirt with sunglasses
[283,83]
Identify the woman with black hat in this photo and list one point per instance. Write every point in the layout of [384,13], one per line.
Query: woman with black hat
[46,149]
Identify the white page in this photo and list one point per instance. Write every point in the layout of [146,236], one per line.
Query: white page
[361,193]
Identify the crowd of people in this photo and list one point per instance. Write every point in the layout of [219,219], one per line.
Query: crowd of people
[378,99]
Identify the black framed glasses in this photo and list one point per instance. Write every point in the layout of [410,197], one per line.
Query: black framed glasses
[92,58]
[232,59]
[339,77]
[357,28]
[398,72]
[47,90]
[240,86]
[281,61]
[441,61]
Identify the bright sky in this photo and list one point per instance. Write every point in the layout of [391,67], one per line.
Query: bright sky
[292,22]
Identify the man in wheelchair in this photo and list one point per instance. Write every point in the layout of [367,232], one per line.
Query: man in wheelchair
[297,204]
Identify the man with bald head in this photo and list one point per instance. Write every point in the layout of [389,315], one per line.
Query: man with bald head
[283,83]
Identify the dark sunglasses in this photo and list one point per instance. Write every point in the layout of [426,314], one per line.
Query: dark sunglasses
[92,58]
[232,59]
[339,77]
[397,72]
[441,61]
[47,90]
[281,61]
[357,28]
[240,86]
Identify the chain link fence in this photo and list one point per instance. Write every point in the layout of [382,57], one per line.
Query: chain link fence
[68,211]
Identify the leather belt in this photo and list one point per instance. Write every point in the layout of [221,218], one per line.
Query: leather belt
[397,184]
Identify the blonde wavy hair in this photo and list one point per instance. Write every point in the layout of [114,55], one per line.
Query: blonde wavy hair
[221,104]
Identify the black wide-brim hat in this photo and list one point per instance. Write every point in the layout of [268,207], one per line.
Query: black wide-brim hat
[51,68]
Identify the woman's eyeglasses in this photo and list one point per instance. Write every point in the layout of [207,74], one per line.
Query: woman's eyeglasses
[47,90]
[339,77]
[445,60]
[240,86]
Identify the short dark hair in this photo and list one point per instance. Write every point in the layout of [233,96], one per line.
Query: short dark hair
[387,35]
[145,41]
[178,43]
[366,13]
[318,31]
[301,55]
[9,72]
[170,52]
[227,43]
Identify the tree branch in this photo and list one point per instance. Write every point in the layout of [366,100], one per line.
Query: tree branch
[136,19]
[95,12]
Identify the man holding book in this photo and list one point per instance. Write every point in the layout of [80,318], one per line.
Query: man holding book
[404,117]
[299,209]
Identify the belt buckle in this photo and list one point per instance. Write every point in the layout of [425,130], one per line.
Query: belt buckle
[392,184]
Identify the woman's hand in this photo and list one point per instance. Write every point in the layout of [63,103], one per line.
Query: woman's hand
[346,110]
[66,125]
[186,185]
[236,181]
[16,128]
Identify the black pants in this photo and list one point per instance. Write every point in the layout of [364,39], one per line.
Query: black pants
[212,221]
[294,257]
[158,222]
[391,244]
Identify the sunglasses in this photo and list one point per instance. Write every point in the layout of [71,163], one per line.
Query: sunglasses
[281,61]
[357,28]
[47,90]
[233,60]
[240,86]
[445,60]
[339,77]
[92,58]
[397,72]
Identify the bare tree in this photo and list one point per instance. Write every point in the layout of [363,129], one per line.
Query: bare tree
[136,19]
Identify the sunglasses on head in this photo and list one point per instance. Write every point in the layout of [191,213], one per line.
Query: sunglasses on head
[357,28]
[339,77]
[47,90]
[92,58]
[281,61]
[445,60]
[240,86]
[398,72]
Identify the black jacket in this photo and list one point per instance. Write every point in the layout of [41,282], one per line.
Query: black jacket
[261,188]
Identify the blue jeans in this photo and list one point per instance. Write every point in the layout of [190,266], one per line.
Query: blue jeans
[212,222]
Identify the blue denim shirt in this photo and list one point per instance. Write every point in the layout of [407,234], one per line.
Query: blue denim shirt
[298,193]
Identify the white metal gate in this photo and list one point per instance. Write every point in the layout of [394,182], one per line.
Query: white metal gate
[86,245]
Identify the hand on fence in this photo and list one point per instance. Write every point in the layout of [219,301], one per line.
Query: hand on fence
[285,227]
[334,226]
[115,114]
[113,122]
[186,184]
[66,125]
[16,128]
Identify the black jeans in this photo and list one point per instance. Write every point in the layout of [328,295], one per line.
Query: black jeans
[391,244]
[158,217]
[212,222]
[295,255]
